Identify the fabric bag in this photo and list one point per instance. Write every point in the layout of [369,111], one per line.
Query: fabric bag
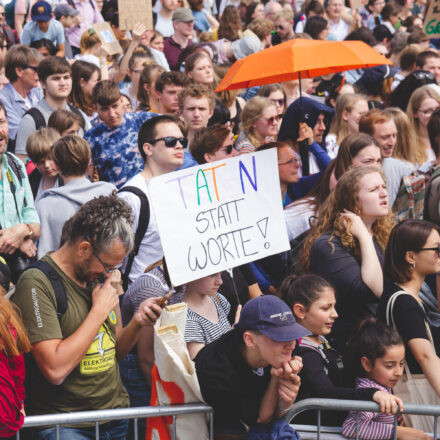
[174,379]
[414,388]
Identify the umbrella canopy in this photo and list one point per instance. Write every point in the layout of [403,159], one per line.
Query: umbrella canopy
[299,58]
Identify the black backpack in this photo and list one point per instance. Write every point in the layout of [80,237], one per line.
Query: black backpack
[144,220]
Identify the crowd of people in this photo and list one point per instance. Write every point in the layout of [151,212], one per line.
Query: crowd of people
[348,311]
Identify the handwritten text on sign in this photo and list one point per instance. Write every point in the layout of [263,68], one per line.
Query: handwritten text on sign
[219,215]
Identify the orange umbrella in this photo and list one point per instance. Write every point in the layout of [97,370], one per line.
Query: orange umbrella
[299,58]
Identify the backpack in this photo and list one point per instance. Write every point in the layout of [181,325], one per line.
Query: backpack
[57,285]
[432,196]
[39,122]
[10,13]
[410,199]
[144,220]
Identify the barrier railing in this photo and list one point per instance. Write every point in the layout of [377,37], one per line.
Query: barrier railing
[58,420]
[357,405]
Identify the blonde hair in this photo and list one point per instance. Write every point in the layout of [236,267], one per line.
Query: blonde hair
[345,196]
[252,111]
[39,143]
[418,96]
[13,337]
[346,102]
[405,148]
[89,39]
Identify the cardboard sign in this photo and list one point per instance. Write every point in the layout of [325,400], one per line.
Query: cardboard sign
[107,37]
[431,23]
[135,11]
[219,215]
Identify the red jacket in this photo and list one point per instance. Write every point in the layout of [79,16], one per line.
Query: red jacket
[11,394]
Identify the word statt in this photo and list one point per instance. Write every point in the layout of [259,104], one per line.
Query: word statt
[220,215]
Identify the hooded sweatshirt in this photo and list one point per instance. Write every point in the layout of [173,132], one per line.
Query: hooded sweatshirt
[57,205]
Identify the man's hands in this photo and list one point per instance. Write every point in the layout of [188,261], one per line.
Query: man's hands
[138,31]
[28,248]
[105,297]
[148,312]
[305,132]
[12,238]
[288,382]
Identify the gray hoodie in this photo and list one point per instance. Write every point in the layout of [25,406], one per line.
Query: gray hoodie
[56,206]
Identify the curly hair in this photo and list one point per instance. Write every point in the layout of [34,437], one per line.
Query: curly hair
[345,196]
[101,221]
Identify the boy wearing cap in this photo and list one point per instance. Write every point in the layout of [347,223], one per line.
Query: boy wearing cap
[65,15]
[248,375]
[42,26]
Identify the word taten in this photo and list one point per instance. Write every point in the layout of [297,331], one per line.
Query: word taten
[204,191]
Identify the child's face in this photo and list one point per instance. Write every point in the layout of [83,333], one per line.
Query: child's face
[388,369]
[208,285]
[321,315]
[47,167]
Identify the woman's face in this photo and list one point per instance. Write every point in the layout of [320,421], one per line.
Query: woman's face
[378,6]
[272,352]
[323,35]
[352,117]
[207,285]
[288,165]
[203,73]
[44,51]
[428,261]
[278,99]
[372,197]
[321,315]
[258,11]
[87,86]
[425,111]
[370,155]
[157,43]
[267,123]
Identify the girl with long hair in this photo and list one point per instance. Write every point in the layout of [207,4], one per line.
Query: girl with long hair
[348,111]
[423,103]
[146,90]
[350,235]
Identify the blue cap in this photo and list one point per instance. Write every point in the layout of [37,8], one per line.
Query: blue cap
[272,317]
[41,11]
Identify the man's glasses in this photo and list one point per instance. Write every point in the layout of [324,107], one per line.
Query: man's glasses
[280,102]
[436,249]
[107,269]
[171,141]
[34,68]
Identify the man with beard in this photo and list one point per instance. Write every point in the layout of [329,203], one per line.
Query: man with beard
[19,222]
[76,355]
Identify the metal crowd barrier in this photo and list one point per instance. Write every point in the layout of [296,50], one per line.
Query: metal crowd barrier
[357,405]
[58,420]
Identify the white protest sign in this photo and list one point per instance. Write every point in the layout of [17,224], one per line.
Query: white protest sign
[219,215]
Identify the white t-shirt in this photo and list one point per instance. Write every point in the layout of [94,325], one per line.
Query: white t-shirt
[150,249]
[164,26]
[297,217]
[338,31]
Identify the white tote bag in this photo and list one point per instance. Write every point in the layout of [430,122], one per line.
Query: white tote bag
[414,388]
[174,378]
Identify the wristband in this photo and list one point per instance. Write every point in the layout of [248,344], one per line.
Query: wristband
[31,232]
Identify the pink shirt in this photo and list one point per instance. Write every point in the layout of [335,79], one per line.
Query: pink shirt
[89,16]
[21,6]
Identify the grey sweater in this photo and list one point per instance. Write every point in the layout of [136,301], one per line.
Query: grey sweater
[57,205]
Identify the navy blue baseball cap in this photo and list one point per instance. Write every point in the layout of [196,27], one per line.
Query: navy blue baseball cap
[272,317]
[41,11]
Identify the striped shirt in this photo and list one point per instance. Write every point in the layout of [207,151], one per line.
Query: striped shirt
[372,426]
[244,146]
[200,329]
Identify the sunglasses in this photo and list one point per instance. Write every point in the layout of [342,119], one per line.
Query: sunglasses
[436,249]
[280,102]
[171,141]
[229,148]
[273,120]
[34,68]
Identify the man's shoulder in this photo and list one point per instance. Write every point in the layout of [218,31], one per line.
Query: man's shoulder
[97,130]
